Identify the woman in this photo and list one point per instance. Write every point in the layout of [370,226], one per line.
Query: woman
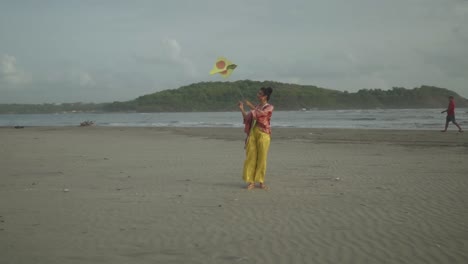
[257,143]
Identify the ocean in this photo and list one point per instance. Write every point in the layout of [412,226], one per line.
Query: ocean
[413,119]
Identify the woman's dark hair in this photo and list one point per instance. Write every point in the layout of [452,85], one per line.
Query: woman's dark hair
[267,91]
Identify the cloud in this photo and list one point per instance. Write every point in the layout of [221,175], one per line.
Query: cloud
[71,77]
[169,53]
[85,79]
[10,74]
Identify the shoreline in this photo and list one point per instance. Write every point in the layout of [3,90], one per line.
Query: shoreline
[318,135]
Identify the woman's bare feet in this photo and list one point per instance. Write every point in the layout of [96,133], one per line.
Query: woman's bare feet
[250,186]
[263,186]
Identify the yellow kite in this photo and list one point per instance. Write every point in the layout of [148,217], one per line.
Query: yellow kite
[224,67]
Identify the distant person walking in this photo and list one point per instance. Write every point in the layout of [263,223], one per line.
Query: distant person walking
[258,129]
[451,115]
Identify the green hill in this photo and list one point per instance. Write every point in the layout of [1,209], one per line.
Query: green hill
[223,96]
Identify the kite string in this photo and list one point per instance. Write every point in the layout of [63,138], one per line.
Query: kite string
[242,96]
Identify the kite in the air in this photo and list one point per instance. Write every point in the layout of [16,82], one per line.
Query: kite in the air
[224,67]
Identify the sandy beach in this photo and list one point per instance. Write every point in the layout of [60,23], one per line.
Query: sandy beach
[175,195]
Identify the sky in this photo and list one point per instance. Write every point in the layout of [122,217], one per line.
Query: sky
[55,51]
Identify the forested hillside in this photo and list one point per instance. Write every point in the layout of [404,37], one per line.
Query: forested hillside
[223,96]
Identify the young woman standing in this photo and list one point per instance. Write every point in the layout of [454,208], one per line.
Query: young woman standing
[258,130]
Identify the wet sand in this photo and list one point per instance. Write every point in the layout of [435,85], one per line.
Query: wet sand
[175,195]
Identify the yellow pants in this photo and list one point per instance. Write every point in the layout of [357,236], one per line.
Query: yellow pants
[256,152]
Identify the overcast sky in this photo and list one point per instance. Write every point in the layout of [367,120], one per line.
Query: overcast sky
[112,50]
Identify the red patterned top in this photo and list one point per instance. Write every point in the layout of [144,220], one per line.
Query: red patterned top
[262,115]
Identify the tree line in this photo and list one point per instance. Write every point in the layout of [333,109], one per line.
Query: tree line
[223,96]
